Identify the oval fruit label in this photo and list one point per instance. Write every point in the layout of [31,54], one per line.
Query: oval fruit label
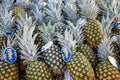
[81,22]
[66,53]
[10,55]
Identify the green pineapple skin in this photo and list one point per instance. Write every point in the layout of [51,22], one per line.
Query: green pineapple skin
[38,70]
[88,53]
[2,40]
[60,27]
[39,41]
[106,71]
[53,59]
[93,33]
[8,71]
[80,68]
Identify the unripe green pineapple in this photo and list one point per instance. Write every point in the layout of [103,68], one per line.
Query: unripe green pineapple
[92,30]
[36,70]
[55,15]
[105,69]
[78,66]
[52,52]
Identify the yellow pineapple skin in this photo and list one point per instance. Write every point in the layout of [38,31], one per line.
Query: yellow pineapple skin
[17,12]
[80,68]
[106,71]
[93,32]
[8,71]
[38,70]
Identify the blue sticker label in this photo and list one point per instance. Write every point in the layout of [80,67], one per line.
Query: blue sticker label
[81,22]
[10,55]
[66,54]
[8,33]
[117,24]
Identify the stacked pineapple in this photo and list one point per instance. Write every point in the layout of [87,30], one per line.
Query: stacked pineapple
[57,40]
[36,70]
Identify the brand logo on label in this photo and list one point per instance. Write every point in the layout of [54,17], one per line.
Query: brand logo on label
[10,55]
[66,54]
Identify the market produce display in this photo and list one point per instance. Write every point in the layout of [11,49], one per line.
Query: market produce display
[59,39]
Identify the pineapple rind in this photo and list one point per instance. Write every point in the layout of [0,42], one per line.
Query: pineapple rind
[38,71]
[106,71]
[8,71]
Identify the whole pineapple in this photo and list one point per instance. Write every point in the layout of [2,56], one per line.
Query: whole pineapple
[113,8]
[36,70]
[6,25]
[105,70]
[92,30]
[81,47]
[78,65]
[55,15]
[51,51]
[8,71]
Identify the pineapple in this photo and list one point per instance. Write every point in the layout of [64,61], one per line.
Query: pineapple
[55,15]
[8,71]
[51,51]
[6,25]
[39,18]
[107,24]
[92,30]
[78,65]
[36,70]
[113,8]
[83,48]
[105,70]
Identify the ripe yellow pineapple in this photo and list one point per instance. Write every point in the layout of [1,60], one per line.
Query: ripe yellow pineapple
[8,69]
[105,70]
[36,70]
[78,65]
[83,48]
[92,30]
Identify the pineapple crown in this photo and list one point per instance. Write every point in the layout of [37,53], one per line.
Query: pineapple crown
[8,4]
[70,10]
[54,11]
[77,32]
[6,21]
[107,23]
[67,39]
[111,6]
[105,48]
[39,15]
[47,32]
[26,41]
[24,20]
[89,8]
